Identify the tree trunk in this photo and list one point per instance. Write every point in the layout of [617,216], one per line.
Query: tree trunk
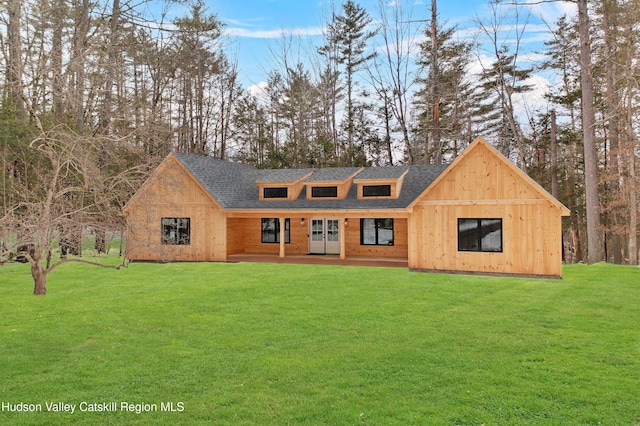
[633,213]
[107,102]
[595,245]
[100,243]
[14,65]
[613,238]
[78,60]
[56,59]
[554,155]
[39,275]
[435,68]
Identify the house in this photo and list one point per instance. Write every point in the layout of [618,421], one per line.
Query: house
[480,214]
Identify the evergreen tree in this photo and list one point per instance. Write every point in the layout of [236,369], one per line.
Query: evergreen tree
[562,60]
[347,39]
[454,96]
[250,139]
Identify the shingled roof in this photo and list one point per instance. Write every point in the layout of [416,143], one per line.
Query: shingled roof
[234,185]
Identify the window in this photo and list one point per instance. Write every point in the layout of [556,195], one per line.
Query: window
[378,232]
[376,190]
[275,193]
[480,235]
[176,231]
[324,191]
[271,230]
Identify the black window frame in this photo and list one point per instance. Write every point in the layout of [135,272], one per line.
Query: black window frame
[181,227]
[376,190]
[275,192]
[317,192]
[466,239]
[378,223]
[275,231]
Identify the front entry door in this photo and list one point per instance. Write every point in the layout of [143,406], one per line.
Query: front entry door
[324,236]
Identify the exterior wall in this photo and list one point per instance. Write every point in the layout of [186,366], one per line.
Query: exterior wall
[252,238]
[399,248]
[171,192]
[483,174]
[531,239]
[249,232]
[235,236]
[484,185]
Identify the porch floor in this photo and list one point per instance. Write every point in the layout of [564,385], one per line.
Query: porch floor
[325,259]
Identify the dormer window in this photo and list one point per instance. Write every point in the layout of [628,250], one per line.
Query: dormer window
[380,183]
[324,191]
[278,192]
[376,190]
[281,185]
[331,183]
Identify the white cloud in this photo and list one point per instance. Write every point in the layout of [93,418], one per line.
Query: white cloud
[244,23]
[259,91]
[551,12]
[535,99]
[270,34]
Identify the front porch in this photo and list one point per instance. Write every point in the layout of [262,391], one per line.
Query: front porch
[327,259]
[318,240]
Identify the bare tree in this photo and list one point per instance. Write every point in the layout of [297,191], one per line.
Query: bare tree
[66,191]
[393,73]
[504,77]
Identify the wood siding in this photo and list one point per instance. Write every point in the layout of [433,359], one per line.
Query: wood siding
[399,248]
[249,232]
[251,235]
[531,239]
[479,184]
[236,236]
[482,174]
[485,185]
[172,192]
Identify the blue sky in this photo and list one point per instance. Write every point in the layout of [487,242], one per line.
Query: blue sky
[255,27]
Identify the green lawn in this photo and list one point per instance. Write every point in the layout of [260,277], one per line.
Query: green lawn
[298,344]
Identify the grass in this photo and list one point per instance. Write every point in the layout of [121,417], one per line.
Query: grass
[299,344]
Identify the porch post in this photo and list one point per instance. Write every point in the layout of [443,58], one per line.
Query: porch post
[343,245]
[282,233]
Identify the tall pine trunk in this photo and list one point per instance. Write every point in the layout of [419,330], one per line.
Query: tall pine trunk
[14,65]
[595,245]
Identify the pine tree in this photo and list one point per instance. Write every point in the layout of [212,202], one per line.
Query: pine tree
[348,37]
[454,97]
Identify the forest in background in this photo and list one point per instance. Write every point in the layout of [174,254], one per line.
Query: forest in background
[95,95]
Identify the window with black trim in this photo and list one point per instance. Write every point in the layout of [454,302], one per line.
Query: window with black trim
[271,230]
[480,235]
[376,190]
[275,192]
[324,191]
[376,232]
[176,231]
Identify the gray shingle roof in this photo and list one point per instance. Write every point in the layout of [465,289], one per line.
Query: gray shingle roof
[281,175]
[375,173]
[234,186]
[332,174]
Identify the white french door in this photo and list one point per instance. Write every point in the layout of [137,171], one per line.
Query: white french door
[324,236]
